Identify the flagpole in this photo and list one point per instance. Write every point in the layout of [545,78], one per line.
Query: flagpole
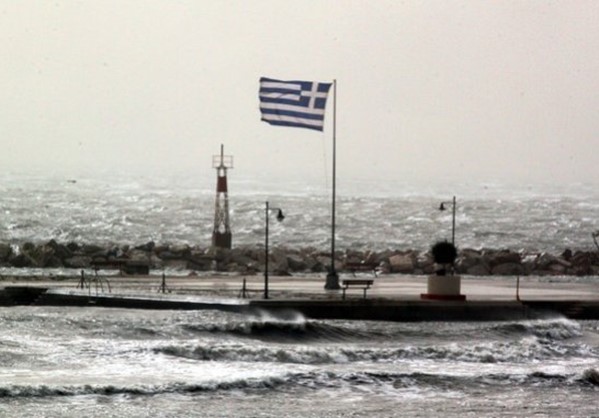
[332,277]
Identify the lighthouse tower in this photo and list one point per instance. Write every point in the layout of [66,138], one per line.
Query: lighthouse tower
[221,235]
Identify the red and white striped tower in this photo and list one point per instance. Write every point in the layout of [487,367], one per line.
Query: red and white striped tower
[221,235]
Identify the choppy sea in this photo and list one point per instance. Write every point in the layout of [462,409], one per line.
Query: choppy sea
[135,209]
[95,362]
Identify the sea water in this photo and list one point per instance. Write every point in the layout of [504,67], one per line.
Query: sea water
[74,362]
[135,209]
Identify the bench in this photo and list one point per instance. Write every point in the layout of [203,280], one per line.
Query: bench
[361,283]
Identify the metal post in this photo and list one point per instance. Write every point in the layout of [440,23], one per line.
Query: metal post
[453,209]
[280,218]
[453,224]
[163,286]
[332,277]
[82,281]
[266,255]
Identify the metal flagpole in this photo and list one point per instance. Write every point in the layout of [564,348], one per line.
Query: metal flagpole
[332,277]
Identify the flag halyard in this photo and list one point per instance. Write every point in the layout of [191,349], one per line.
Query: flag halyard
[293,103]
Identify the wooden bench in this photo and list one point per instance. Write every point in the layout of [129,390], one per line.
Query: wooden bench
[361,283]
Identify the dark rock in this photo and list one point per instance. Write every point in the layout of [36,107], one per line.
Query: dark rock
[479,270]
[167,255]
[547,262]
[78,261]
[495,258]
[176,264]
[21,260]
[28,247]
[508,269]
[557,268]
[43,256]
[5,251]
[567,254]
[401,263]
[472,260]
[61,251]
[90,249]
[296,263]
[315,266]
[149,246]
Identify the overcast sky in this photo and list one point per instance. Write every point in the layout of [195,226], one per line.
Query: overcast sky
[472,90]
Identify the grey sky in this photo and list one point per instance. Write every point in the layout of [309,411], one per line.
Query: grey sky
[490,90]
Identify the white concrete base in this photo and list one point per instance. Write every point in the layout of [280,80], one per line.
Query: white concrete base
[444,288]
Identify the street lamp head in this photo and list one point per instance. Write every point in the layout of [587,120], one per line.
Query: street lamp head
[442,206]
[280,215]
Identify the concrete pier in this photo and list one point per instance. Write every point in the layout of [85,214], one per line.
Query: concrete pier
[392,298]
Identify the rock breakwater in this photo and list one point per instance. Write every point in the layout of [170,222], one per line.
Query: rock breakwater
[286,261]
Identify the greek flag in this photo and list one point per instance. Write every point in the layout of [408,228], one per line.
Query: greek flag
[293,103]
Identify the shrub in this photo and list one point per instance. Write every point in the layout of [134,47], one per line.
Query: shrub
[444,252]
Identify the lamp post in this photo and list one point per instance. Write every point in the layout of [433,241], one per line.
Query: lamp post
[453,205]
[280,217]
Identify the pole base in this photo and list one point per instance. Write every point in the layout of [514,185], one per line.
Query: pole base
[332,282]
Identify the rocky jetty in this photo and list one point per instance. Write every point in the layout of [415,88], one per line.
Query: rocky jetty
[287,261]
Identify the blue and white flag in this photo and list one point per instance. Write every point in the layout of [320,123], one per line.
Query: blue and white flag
[293,103]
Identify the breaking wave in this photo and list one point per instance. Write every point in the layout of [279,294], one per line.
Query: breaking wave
[314,380]
[521,351]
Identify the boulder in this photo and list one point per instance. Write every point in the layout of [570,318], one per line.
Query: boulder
[168,255]
[315,266]
[5,251]
[138,255]
[508,269]
[529,262]
[278,263]
[401,263]
[149,246]
[42,256]
[155,262]
[183,250]
[545,261]
[479,270]
[176,264]
[60,250]
[296,263]
[472,260]
[557,268]
[72,247]
[581,263]
[194,263]
[78,261]
[425,263]
[495,258]
[238,258]
[280,268]
[21,260]
[91,249]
